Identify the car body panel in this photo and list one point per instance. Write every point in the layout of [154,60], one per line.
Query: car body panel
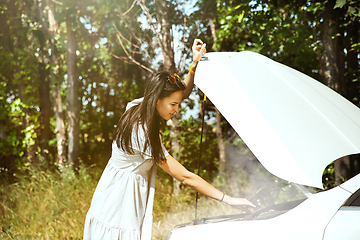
[306,221]
[293,124]
[344,225]
[352,185]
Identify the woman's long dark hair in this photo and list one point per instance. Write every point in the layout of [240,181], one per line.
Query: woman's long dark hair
[145,115]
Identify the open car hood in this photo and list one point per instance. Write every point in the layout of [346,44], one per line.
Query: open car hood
[293,124]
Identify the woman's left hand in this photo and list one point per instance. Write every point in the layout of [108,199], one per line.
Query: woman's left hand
[199,50]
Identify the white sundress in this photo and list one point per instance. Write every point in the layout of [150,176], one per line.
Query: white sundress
[122,204]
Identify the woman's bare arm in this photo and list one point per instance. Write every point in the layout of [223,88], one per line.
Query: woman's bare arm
[198,49]
[179,172]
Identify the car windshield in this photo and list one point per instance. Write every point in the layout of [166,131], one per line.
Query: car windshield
[247,177]
[262,187]
[244,176]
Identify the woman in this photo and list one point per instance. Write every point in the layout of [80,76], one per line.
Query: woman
[122,204]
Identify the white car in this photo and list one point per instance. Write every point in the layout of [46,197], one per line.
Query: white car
[295,126]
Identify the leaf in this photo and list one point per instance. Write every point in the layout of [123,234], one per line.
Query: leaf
[340,3]
[352,10]
[241,16]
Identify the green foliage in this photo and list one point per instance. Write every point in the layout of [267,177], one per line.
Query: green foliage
[353,7]
[279,31]
[19,80]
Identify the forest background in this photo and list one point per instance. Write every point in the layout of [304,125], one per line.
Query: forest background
[68,69]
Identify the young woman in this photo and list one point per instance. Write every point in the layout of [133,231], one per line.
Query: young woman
[121,207]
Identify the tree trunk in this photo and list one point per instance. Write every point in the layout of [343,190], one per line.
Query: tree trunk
[330,71]
[220,140]
[60,129]
[73,108]
[352,71]
[45,107]
[175,147]
[328,62]
[169,65]
[166,38]
[44,89]
[3,134]
[343,170]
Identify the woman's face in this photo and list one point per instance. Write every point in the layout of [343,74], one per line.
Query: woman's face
[168,106]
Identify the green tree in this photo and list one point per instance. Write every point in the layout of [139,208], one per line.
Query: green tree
[310,36]
[35,54]
[20,97]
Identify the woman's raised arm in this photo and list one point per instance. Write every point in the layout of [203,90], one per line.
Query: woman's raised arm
[198,50]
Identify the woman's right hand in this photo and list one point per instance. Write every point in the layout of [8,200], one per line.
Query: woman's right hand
[239,203]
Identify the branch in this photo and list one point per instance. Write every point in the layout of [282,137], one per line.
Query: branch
[139,40]
[127,11]
[231,137]
[150,18]
[134,48]
[133,61]
[119,36]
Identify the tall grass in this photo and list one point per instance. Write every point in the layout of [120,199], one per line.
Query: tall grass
[51,205]
[46,205]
